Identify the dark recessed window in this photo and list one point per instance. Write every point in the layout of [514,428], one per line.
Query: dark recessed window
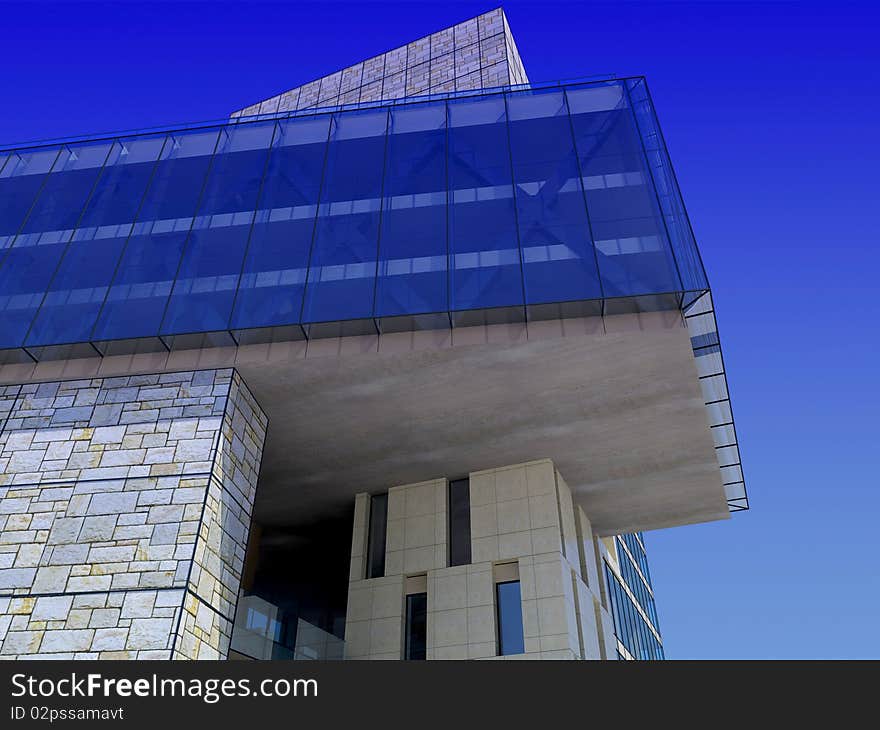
[460,522]
[416,626]
[376,537]
[508,601]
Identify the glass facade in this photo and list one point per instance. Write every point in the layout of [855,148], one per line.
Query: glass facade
[630,625]
[636,578]
[503,206]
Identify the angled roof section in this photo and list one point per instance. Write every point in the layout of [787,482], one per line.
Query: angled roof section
[476,54]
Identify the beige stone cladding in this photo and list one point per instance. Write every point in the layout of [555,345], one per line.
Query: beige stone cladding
[478,53]
[124,511]
[523,523]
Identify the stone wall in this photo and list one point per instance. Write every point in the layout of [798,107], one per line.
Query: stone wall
[478,53]
[523,523]
[124,511]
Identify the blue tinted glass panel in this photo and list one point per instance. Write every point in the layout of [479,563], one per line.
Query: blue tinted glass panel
[203,293]
[67,189]
[36,251]
[486,270]
[78,288]
[180,176]
[558,257]
[468,205]
[630,238]
[137,297]
[342,271]
[630,627]
[690,266]
[510,623]
[22,176]
[273,279]
[412,246]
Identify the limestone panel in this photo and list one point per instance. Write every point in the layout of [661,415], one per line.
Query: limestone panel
[522,525]
[416,532]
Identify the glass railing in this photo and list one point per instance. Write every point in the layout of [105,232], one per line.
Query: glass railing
[262,630]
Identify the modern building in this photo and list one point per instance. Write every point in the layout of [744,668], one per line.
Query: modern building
[398,364]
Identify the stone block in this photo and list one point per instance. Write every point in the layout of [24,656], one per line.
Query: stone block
[112,503]
[109,639]
[72,554]
[149,633]
[22,642]
[104,618]
[123,457]
[98,528]
[51,608]
[121,554]
[89,583]
[11,578]
[67,640]
[138,604]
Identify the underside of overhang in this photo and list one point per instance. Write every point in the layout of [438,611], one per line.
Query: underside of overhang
[619,412]
[614,401]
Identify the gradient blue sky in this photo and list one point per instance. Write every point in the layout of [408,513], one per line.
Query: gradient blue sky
[770,111]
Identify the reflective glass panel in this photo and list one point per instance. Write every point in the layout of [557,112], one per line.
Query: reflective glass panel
[80,283]
[483,238]
[412,246]
[137,297]
[22,176]
[271,288]
[558,257]
[508,600]
[690,266]
[631,243]
[34,255]
[342,272]
[201,300]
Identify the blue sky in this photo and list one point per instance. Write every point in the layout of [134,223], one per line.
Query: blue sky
[770,111]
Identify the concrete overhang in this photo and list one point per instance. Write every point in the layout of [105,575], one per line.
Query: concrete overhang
[619,412]
[615,402]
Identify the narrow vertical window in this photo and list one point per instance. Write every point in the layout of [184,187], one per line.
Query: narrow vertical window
[376,538]
[508,600]
[416,626]
[460,522]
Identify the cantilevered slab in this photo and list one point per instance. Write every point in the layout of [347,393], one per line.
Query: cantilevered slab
[615,403]
[620,413]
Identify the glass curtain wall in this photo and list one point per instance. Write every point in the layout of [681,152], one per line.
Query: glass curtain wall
[499,207]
